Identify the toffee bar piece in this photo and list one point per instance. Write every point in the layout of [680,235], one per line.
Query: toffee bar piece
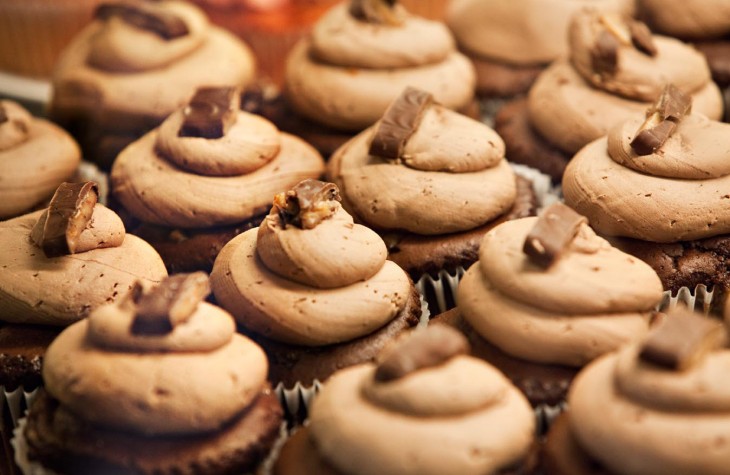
[376,11]
[641,38]
[68,214]
[170,303]
[681,340]
[555,229]
[400,121]
[210,113]
[421,349]
[3,115]
[604,56]
[144,16]
[307,204]
[613,32]
[661,121]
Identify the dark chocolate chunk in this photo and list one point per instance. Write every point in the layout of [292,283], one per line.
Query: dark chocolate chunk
[3,114]
[556,227]
[604,55]
[170,303]
[210,113]
[145,16]
[376,11]
[69,212]
[641,38]
[307,204]
[682,339]
[661,121]
[421,349]
[672,103]
[400,121]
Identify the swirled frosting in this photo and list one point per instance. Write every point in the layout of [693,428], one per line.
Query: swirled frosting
[571,104]
[35,157]
[633,416]
[61,290]
[192,380]
[194,182]
[693,19]
[347,73]
[451,165]
[462,416]
[678,192]
[592,300]
[311,287]
[520,33]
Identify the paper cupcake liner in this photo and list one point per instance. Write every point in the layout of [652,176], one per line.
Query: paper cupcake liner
[298,399]
[546,192]
[17,401]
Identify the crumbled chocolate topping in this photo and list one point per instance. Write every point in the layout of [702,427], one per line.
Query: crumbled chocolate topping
[555,229]
[210,113]
[307,204]
[145,16]
[399,123]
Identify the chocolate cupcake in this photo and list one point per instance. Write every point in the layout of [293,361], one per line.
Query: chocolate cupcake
[207,174]
[672,163]
[314,289]
[160,383]
[547,297]
[136,64]
[432,182]
[35,157]
[442,410]
[653,408]
[617,68]
[358,58]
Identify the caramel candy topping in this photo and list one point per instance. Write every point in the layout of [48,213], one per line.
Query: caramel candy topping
[144,16]
[68,214]
[170,303]
[556,227]
[421,349]
[3,114]
[400,121]
[661,121]
[641,38]
[210,113]
[376,11]
[615,32]
[682,339]
[307,204]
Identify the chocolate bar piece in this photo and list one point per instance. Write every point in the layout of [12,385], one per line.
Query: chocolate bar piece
[641,38]
[146,17]
[307,204]
[400,121]
[376,11]
[681,340]
[421,349]
[170,303]
[210,113]
[3,114]
[69,212]
[556,227]
[662,119]
[604,55]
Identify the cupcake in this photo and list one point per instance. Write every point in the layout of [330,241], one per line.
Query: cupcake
[617,68]
[432,182]
[547,297]
[442,411]
[672,163]
[655,407]
[312,288]
[136,64]
[511,42]
[358,58]
[35,157]
[159,382]
[205,175]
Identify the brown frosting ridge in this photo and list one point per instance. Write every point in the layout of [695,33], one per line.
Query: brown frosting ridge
[624,411]
[692,19]
[35,157]
[592,300]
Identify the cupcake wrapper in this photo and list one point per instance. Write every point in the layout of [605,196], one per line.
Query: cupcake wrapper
[297,400]
[17,401]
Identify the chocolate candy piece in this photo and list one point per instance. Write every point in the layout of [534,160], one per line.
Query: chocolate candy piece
[641,38]
[604,55]
[210,113]
[69,212]
[307,204]
[376,11]
[681,340]
[556,227]
[170,303]
[661,120]
[400,121]
[3,114]
[145,16]
[421,349]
